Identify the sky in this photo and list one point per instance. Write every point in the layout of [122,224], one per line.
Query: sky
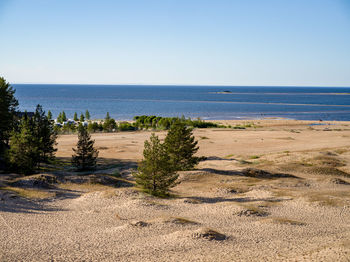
[185,42]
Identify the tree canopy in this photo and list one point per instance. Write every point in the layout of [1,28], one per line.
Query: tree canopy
[155,173]
[85,155]
[8,109]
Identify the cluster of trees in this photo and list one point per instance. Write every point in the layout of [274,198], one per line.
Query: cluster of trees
[164,123]
[32,142]
[157,172]
[8,109]
[143,122]
[62,117]
[27,142]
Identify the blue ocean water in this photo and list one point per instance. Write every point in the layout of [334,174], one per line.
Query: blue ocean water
[125,101]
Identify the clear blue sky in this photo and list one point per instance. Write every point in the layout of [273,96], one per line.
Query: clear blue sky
[210,42]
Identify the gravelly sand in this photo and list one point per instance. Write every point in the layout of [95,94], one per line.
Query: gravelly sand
[283,219]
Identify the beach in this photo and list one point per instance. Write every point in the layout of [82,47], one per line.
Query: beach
[275,190]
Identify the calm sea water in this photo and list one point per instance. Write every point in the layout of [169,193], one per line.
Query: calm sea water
[125,101]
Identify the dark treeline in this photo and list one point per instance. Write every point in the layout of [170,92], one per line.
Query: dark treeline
[143,122]
[26,140]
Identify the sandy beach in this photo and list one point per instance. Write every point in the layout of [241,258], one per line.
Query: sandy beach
[278,190]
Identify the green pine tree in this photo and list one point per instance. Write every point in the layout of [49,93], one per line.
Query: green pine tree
[85,154]
[75,117]
[109,125]
[24,153]
[107,117]
[64,117]
[155,173]
[49,115]
[8,109]
[45,135]
[82,118]
[181,146]
[59,118]
[87,114]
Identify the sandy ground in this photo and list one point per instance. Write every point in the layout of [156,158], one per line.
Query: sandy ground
[299,211]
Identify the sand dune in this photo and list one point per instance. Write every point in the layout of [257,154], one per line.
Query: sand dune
[298,210]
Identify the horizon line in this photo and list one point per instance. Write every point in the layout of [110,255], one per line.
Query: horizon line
[190,85]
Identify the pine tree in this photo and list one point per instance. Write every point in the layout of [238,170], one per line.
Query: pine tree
[85,154]
[75,117]
[155,173]
[82,119]
[64,117]
[45,135]
[59,118]
[49,115]
[87,114]
[107,117]
[181,146]
[109,125]
[8,109]
[24,153]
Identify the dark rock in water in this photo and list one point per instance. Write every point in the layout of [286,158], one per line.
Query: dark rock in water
[209,234]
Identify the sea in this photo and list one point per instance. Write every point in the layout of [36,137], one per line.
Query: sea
[123,102]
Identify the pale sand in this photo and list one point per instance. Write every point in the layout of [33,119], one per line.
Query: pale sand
[290,219]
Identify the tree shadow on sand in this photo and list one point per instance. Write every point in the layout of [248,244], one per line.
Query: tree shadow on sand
[214,200]
[248,172]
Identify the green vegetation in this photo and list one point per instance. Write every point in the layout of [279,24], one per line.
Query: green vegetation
[82,118]
[87,115]
[32,143]
[61,117]
[164,123]
[24,152]
[8,109]
[157,171]
[85,154]
[156,174]
[140,123]
[75,117]
[181,147]
[45,135]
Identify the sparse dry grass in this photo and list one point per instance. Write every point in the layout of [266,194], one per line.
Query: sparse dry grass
[180,221]
[85,187]
[327,160]
[328,198]
[286,221]
[286,138]
[30,193]
[341,151]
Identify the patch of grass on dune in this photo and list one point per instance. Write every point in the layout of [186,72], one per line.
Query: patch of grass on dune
[86,187]
[328,198]
[29,193]
[286,221]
